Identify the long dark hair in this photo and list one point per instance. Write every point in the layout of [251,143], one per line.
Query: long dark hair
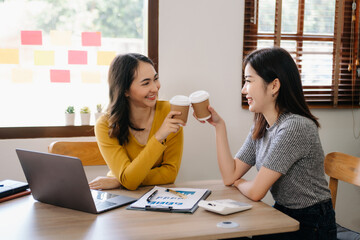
[121,75]
[272,63]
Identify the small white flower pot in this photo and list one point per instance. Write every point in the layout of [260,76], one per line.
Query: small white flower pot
[69,119]
[98,115]
[85,118]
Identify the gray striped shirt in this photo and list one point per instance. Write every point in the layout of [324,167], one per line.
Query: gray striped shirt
[291,147]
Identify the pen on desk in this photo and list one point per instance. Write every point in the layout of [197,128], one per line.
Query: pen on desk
[176,193]
[151,196]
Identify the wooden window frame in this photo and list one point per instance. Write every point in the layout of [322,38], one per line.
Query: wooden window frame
[345,89]
[85,131]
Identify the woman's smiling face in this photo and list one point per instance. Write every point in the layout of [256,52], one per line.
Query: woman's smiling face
[258,93]
[145,87]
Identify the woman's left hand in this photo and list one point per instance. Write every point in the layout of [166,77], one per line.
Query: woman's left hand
[104,183]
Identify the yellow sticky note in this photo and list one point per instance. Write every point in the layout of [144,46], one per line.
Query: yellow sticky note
[90,77]
[21,75]
[60,38]
[105,57]
[44,57]
[9,56]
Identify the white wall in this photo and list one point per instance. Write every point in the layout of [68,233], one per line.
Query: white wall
[201,48]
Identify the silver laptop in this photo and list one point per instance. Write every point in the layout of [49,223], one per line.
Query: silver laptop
[60,180]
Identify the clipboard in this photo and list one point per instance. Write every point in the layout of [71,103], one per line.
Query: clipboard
[173,200]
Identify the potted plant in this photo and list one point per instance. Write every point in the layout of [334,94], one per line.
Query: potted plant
[70,116]
[85,115]
[99,112]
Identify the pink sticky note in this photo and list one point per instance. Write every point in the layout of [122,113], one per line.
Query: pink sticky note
[91,38]
[31,38]
[59,76]
[77,57]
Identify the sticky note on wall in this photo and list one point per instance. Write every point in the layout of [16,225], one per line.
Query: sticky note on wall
[9,56]
[105,57]
[59,76]
[60,38]
[21,75]
[91,38]
[77,57]
[90,77]
[44,57]
[31,38]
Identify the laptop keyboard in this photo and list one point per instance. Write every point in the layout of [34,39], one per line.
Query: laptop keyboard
[105,200]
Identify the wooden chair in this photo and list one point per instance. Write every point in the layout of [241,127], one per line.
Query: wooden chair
[87,152]
[344,167]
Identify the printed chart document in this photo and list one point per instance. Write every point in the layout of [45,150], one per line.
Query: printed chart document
[181,200]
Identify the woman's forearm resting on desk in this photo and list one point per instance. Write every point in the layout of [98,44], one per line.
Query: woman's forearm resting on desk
[146,169]
[257,188]
[132,173]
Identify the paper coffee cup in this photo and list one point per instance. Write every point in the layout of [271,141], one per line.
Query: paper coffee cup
[200,103]
[181,104]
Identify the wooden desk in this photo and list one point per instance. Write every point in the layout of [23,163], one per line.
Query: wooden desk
[25,218]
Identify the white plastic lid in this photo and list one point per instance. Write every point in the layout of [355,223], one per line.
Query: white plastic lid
[199,96]
[180,100]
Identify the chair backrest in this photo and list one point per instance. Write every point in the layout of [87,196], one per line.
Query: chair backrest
[87,152]
[344,167]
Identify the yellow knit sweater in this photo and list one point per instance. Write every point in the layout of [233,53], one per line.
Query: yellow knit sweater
[134,164]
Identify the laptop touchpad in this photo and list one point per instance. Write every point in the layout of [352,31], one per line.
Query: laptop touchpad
[120,199]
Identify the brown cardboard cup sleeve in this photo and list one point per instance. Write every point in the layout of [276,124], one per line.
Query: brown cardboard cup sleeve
[180,103]
[200,102]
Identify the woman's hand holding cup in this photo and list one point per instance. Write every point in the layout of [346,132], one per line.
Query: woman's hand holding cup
[214,119]
[170,125]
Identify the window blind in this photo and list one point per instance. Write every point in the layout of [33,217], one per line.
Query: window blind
[323,38]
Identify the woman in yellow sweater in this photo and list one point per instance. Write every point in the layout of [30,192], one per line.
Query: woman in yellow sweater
[138,137]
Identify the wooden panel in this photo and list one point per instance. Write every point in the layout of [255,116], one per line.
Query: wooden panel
[46,132]
[153,36]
